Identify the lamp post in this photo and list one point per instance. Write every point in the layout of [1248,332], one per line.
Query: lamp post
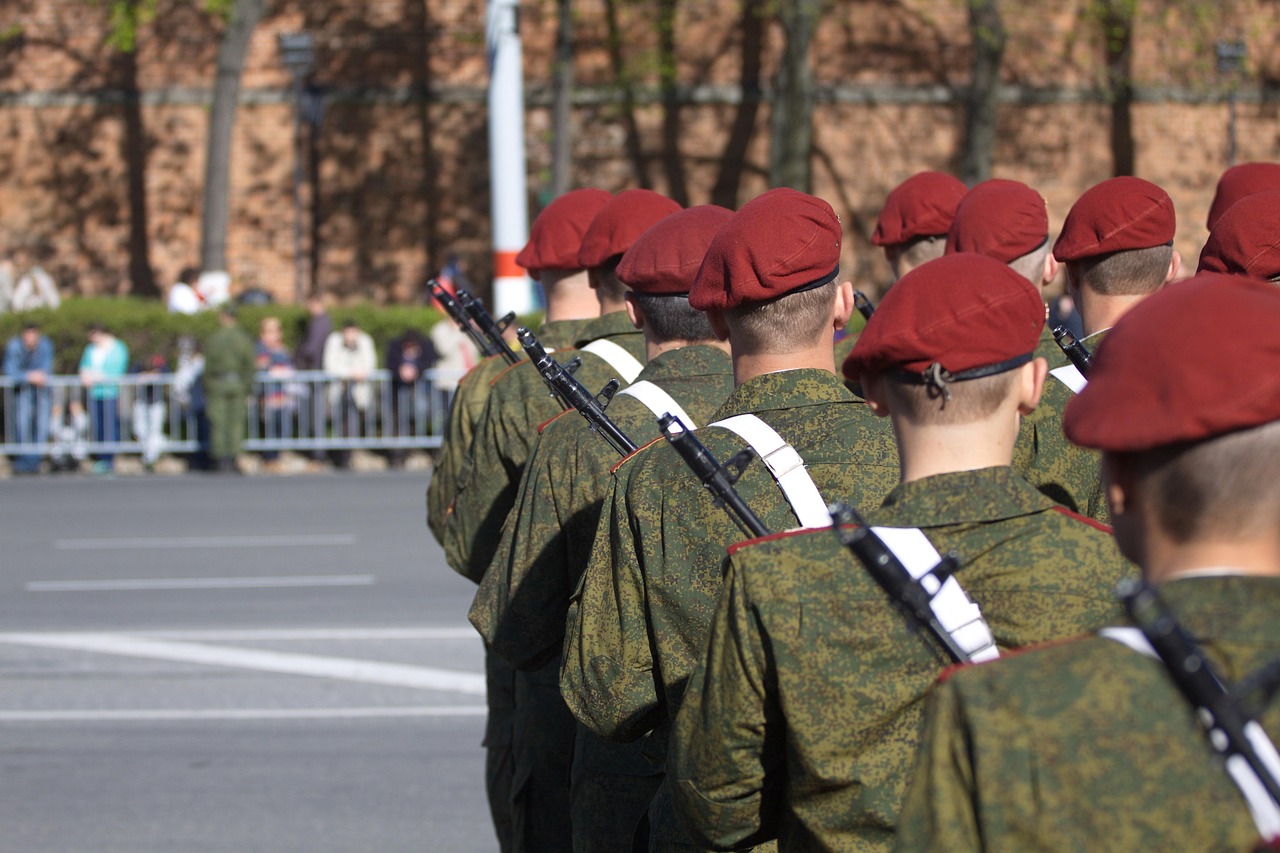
[1231,55]
[298,53]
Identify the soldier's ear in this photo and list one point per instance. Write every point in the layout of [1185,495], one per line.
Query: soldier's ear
[1030,381]
[1175,268]
[843,308]
[873,393]
[718,326]
[634,311]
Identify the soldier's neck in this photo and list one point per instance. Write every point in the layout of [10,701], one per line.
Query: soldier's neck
[748,366]
[1098,312]
[1167,560]
[569,296]
[927,450]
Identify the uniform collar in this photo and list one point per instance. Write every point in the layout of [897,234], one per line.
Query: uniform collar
[786,389]
[961,497]
[559,334]
[612,325]
[1226,607]
[687,362]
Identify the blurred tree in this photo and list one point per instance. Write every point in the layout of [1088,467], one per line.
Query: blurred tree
[987,36]
[791,118]
[562,100]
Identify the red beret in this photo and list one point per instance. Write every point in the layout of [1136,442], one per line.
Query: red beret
[1240,181]
[1196,359]
[781,242]
[1000,219]
[557,232]
[624,218]
[963,311]
[664,260]
[921,206]
[1246,239]
[1117,214]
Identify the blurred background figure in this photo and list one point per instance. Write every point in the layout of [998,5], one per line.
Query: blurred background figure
[28,358]
[310,356]
[228,381]
[409,357]
[149,408]
[188,396]
[183,296]
[105,359]
[6,284]
[35,287]
[454,352]
[279,402]
[349,357]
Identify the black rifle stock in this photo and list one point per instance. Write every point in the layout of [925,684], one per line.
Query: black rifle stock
[888,571]
[488,327]
[459,316]
[863,304]
[574,394]
[717,478]
[1076,351]
[1226,721]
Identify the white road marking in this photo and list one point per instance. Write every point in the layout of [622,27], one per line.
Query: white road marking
[344,669]
[462,632]
[150,543]
[240,714]
[146,584]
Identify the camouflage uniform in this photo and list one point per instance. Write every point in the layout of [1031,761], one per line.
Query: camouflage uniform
[1066,473]
[802,721]
[520,606]
[1088,745]
[640,620]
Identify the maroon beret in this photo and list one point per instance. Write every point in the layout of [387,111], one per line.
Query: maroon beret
[1148,387]
[664,260]
[1246,239]
[1240,181]
[1000,219]
[624,218]
[962,311]
[781,242]
[1117,214]
[557,231]
[921,206]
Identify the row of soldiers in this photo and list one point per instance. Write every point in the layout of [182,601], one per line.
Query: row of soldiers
[665,675]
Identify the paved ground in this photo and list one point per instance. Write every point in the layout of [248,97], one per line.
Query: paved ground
[199,663]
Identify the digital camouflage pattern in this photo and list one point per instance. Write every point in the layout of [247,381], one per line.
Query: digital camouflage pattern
[464,413]
[1088,745]
[518,403]
[521,603]
[1067,474]
[639,620]
[802,721]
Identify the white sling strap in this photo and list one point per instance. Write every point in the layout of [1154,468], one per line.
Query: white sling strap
[957,615]
[1070,376]
[786,466]
[1265,811]
[658,401]
[626,365]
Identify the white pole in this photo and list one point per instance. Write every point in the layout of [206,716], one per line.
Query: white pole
[512,290]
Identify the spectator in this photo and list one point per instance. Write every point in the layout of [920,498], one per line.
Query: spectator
[6,284]
[105,360]
[36,288]
[183,296]
[454,352]
[149,408]
[214,287]
[310,356]
[28,358]
[349,357]
[278,400]
[188,395]
[228,381]
[69,433]
[409,357]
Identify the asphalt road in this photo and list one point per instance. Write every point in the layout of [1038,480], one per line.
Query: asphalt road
[208,663]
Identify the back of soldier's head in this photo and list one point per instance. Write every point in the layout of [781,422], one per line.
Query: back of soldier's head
[945,341]
[1240,182]
[615,227]
[1184,393]
[1246,239]
[1005,220]
[771,271]
[556,234]
[917,214]
[1117,239]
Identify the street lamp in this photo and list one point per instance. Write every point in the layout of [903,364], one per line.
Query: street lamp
[1231,55]
[298,53]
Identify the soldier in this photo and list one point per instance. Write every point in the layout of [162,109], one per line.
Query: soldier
[1246,239]
[917,214]
[640,619]
[1237,183]
[801,721]
[1007,220]
[228,379]
[542,730]
[1088,745]
[520,606]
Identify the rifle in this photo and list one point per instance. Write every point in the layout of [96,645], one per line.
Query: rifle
[1076,351]
[488,327]
[893,577]
[1250,757]
[718,479]
[575,395]
[459,316]
[863,304]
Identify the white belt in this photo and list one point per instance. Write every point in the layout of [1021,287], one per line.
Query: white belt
[658,401]
[626,365]
[1071,377]
[786,466]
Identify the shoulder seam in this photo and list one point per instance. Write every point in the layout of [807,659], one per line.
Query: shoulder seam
[624,459]
[1105,528]
[508,369]
[550,421]
[773,537]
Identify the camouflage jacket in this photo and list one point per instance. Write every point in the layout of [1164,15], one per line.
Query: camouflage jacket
[518,402]
[640,618]
[802,721]
[464,414]
[1088,745]
[520,606]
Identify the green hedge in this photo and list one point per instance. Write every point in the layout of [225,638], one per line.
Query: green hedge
[147,328]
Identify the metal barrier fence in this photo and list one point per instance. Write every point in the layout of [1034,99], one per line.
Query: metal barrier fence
[152,414]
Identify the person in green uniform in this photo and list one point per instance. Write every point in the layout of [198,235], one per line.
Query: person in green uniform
[801,721]
[1088,745]
[1246,239]
[917,214]
[639,620]
[520,606]
[542,731]
[228,380]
